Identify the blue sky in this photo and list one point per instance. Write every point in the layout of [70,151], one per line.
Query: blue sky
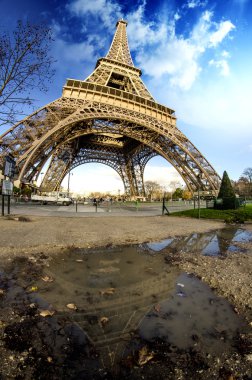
[195,55]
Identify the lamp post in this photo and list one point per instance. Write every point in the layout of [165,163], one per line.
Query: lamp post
[41,180]
[68,185]
[198,196]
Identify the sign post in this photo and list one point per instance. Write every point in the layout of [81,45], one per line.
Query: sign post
[7,185]
[7,189]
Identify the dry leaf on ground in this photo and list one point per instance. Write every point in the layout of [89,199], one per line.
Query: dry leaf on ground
[144,356]
[46,313]
[157,308]
[71,306]
[33,289]
[107,292]
[47,279]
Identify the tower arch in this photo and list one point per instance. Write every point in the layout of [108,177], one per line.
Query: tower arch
[111,118]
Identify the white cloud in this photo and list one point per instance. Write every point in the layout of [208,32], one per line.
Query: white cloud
[165,176]
[73,52]
[225,54]
[106,10]
[102,178]
[94,177]
[159,50]
[222,64]
[179,57]
[195,3]
[218,105]
[142,33]
[223,30]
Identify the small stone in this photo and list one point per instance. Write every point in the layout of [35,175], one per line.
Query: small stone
[248,357]
[103,321]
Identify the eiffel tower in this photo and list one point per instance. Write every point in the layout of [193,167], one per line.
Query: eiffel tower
[109,118]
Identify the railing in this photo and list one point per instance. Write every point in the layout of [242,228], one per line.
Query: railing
[118,93]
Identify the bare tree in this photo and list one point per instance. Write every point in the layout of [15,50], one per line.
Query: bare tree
[246,179]
[151,187]
[25,64]
[173,185]
[247,173]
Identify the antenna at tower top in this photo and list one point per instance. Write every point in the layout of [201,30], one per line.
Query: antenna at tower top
[123,21]
[119,49]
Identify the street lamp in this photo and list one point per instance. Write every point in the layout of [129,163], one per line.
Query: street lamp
[68,186]
[198,176]
[41,180]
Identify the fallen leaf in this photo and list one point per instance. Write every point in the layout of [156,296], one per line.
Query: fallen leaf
[144,356]
[79,261]
[2,324]
[1,292]
[33,289]
[46,313]
[108,291]
[32,305]
[71,306]
[47,279]
[49,359]
[157,308]
[103,321]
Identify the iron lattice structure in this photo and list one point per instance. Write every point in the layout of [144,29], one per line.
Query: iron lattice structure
[109,118]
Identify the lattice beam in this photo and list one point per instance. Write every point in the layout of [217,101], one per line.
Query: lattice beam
[110,118]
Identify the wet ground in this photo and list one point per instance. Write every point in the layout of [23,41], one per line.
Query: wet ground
[122,312]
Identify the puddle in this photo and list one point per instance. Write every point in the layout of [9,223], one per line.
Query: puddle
[193,315]
[127,305]
[213,243]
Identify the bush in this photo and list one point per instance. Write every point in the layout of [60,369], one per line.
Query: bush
[226,199]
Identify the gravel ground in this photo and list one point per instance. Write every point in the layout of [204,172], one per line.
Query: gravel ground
[231,277]
[20,233]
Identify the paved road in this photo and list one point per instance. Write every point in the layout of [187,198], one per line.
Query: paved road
[90,210]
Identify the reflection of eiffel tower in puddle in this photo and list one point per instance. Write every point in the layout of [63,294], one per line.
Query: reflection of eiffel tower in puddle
[124,314]
[124,308]
[210,243]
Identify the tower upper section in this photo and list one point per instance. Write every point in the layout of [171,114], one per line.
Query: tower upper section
[117,70]
[119,49]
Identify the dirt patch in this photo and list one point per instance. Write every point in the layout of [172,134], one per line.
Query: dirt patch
[48,232]
[229,276]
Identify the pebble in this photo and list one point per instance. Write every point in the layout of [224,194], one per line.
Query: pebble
[249,357]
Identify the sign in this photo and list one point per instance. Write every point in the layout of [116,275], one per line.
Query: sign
[7,187]
[9,167]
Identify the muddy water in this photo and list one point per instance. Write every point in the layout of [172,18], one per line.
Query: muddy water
[111,309]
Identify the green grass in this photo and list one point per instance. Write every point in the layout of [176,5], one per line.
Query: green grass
[240,215]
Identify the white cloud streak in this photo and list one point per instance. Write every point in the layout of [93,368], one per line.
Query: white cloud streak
[223,30]
[222,64]
[195,4]
[161,52]
[106,10]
